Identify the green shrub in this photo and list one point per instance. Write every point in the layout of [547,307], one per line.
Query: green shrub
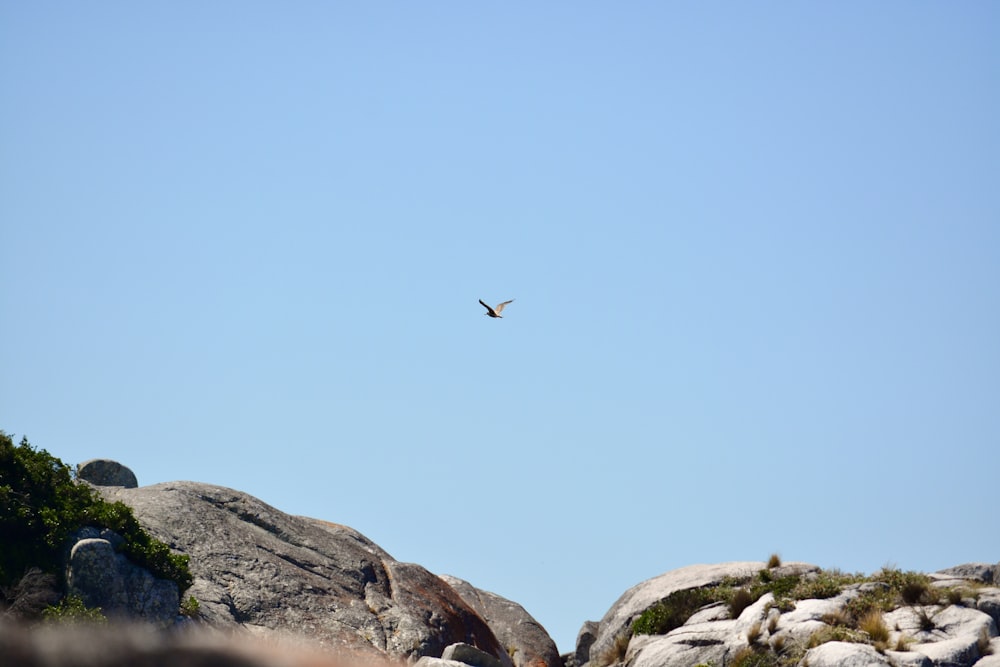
[826,584]
[71,609]
[673,611]
[192,608]
[41,506]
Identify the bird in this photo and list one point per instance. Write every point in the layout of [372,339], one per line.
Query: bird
[494,312]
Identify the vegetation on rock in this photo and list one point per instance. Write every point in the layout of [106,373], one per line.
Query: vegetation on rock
[41,506]
[859,621]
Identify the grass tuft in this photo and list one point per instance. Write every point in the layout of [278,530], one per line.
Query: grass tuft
[753,633]
[740,600]
[874,626]
[774,561]
[983,643]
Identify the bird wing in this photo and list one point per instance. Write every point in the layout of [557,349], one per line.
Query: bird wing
[486,305]
[501,306]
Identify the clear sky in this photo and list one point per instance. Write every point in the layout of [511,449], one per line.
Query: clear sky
[754,247]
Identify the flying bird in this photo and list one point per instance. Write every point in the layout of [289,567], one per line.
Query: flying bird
[494,312]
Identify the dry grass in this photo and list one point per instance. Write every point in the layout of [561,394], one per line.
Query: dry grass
[753,633]
[925,619]
[983,643]
[616,652]
[774,561]
[741,599]
[772,623]
[874,626]
[839,618]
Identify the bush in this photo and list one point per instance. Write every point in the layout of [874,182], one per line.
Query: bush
[41,507]
[71,609]
[673,611]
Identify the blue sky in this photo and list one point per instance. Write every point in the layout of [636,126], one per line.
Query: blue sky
[754,247]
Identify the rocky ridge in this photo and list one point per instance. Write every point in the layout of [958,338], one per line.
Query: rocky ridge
[265,573]
[951,622]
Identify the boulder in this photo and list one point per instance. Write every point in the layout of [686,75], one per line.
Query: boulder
[843,654]
[989,603]
[705,638]
[108,580]
[949,622]
[105,472]
[470,655]
[992,658]
[259,569]
[584,640]
[908,659]
[526,641]
[617,622]
[428,661]
[984,573]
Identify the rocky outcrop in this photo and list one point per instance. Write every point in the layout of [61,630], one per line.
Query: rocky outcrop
[524,638]
[259,569]
[103,578]
[617,622]
[959,633]
[105,472]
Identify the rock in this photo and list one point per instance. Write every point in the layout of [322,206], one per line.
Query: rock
[526,641]
[992,659]
[843,654]
[105,472]
[262,570]
[428,661]
[619,618]
[584,640]
[954,638]
[470,655]
[959,651]
[982,572]
[908,659]
[108,580]
[989,603]
[949,623]
[705,638]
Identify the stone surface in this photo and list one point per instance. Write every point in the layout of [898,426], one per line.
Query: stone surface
[985,573]
[265,571]
[108,580]
[524,638]
[842,654]
[908,659]
[950,623]
[470,655]
[992,659]
[989,603]
[105,472]
[618,619]
[428,661]
[584,640]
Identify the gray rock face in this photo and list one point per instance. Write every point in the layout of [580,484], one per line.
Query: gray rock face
[524,638]
[584,640]
[106,579]
[262,570]
[105,472]
[986,573]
